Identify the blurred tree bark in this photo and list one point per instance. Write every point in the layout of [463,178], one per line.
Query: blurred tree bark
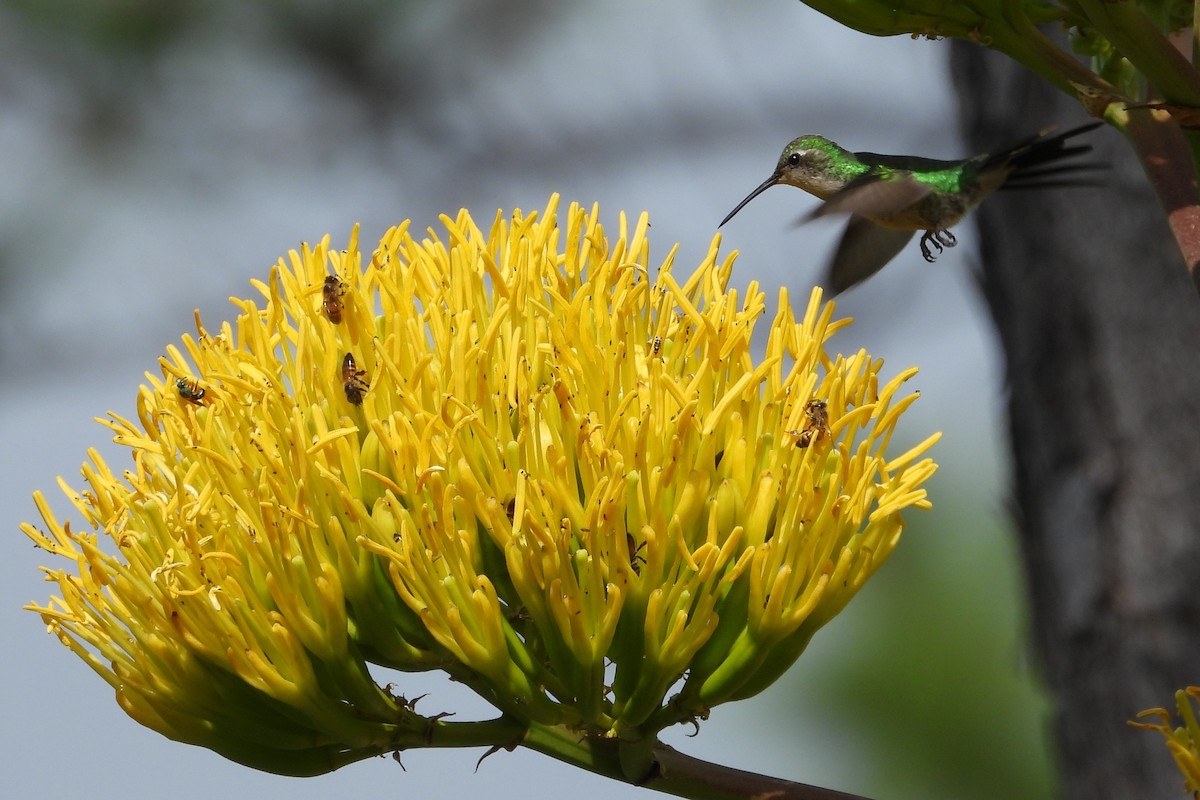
[1100,326]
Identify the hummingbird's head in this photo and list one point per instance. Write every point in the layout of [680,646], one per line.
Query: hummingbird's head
[809,162]
[812,164]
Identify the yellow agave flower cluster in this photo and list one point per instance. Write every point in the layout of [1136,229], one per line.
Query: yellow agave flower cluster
[518,457]
[1184,741]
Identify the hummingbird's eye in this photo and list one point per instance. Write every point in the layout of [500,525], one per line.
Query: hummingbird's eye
[794,159]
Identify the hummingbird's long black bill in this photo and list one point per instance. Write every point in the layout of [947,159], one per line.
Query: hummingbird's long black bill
[762,187]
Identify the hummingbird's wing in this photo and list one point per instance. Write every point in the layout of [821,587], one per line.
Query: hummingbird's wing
[873,196]
[865,249]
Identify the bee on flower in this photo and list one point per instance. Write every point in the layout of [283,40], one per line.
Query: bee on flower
[816,426]
[352,380]
[332,292]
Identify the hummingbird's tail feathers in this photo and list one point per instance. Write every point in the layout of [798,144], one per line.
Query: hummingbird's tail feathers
[1058,176]
[1050,155]
[872,196]
[865,249]
[1040,151]
[1055,168]
[1093,183]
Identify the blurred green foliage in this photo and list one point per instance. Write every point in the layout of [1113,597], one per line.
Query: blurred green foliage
[116,27]
[933,672]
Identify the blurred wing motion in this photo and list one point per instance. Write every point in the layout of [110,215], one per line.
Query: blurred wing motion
[865,249]
[872,196]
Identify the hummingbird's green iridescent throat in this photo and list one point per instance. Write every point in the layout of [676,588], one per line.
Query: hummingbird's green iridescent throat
[890,198]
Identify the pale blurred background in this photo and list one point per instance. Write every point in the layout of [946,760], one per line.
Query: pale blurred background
[155,156]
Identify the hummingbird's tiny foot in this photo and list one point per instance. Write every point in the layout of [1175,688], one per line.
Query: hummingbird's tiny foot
[928,239]
[940,240]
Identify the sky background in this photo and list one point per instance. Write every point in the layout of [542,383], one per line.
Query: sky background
[156,158]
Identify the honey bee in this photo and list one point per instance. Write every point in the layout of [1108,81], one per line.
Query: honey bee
[352,380]
[191,390]
[817,425]
[331,298]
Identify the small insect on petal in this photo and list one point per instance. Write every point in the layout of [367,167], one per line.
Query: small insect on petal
[331,298]
[817,426]
[352,380]
[189,389]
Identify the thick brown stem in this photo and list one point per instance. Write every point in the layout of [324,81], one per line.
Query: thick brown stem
[670,771]
[685,776]
[1167,160]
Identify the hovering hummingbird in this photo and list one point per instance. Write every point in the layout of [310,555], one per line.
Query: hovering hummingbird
[890,198]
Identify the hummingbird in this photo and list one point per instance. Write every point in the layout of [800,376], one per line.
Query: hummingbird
[890,198]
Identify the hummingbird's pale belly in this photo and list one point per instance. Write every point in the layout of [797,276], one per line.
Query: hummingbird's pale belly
[936,211]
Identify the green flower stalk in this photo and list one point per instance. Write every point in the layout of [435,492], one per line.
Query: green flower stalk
[517,457]
[1183,742]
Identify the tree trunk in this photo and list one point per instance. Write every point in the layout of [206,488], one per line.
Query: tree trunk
[1100,325]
